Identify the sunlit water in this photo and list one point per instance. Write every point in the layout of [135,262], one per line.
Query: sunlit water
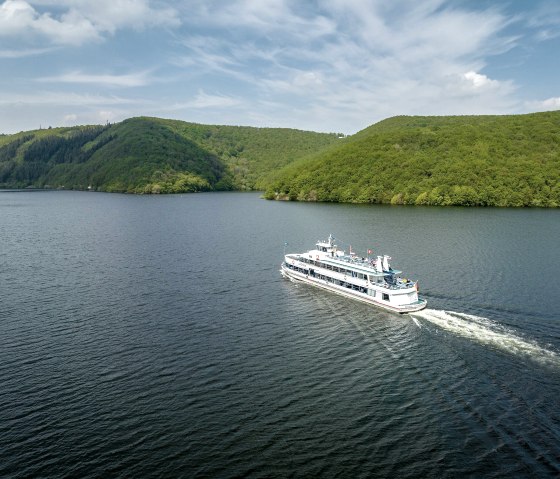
[154,336]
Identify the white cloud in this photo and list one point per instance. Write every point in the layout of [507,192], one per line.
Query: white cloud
[39,98]
[546,21]
[347,63]
[299,83]
[103,116]
[110,15]
[94,116]
[127,80]
[308,79]
[15,15]
[204,100]
[19,18]
[25,112]
[477,80]
[548,104]
[552,102]
[29,52]
[81,21]
[546,34]
[331,66]
[269,17]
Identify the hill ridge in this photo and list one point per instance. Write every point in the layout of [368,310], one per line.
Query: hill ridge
[151,155]
[492,160]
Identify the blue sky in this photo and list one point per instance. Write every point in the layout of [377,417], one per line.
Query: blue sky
[332,65]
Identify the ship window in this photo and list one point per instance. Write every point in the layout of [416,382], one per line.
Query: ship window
[385,297]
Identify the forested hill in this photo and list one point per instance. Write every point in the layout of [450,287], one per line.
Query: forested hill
[151,155]
[450,160]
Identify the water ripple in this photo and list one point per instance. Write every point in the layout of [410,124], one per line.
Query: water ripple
[136,342]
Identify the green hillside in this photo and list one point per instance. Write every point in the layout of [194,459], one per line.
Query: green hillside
[252,153]
[461,160]
[151,155]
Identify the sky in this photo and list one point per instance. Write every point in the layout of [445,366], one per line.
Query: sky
[321,65]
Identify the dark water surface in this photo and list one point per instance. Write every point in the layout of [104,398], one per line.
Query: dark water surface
[155,337]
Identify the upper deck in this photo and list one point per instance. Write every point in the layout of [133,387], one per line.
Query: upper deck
[359,264]
[375,270]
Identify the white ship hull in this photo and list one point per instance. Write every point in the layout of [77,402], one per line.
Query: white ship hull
[377,284]
[349,293]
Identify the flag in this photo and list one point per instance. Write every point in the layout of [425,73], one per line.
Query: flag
[369,251]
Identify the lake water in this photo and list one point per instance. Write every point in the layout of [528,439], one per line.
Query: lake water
[145,336]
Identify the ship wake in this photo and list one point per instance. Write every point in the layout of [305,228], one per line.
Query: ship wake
[489,333]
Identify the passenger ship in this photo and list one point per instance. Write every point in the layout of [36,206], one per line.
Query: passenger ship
[371,281]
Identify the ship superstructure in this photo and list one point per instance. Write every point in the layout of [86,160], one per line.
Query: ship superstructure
[371,280]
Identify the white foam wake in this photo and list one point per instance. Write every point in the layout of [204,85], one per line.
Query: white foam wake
[488,332]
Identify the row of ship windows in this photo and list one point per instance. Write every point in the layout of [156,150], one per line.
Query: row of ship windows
[337,282]
[336,269]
